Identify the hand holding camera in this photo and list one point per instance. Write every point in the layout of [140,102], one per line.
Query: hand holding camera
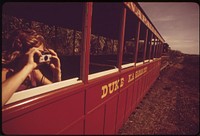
[44,58]
[49,57]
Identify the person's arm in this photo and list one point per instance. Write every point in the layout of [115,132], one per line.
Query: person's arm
[40,78]
[10,85]
[55,66]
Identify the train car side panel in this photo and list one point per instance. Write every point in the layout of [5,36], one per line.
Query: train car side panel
[110,116]
[42,120]
[94,121]
[129,101]
[121,109]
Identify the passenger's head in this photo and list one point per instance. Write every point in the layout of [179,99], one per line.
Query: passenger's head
[20,41]
[23,40]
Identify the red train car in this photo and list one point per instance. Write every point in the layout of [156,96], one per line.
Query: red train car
[109,65]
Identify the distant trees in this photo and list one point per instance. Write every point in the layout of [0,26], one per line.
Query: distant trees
[63,40]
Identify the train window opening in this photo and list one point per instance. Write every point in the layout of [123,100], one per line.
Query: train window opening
[130,37]
[61,31]
[152,48]
[158,50]
[104,41]
[147,57]
[155,48]
[141,44]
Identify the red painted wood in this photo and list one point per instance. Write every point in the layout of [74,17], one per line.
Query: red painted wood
[77,111]
[110,116]
[21,107]
[121,38]
[94,121]
[75,129]
[121,109]
[85,51]
[128,102]
[134,99]
[49,119]
[95,92]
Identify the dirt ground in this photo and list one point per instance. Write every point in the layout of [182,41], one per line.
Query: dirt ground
[171,106]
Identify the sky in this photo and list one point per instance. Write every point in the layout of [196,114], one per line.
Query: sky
[177,22]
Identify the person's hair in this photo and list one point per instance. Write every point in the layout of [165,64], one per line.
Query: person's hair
[19,42]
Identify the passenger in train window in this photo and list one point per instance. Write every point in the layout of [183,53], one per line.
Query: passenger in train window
[27,63]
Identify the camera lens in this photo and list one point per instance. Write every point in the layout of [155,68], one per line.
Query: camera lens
[45,58]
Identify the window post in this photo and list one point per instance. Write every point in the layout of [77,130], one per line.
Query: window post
[85,52]
[121,38]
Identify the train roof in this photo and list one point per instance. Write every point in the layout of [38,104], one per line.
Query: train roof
[59,14]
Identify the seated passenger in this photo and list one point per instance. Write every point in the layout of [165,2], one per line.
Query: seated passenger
[22,63]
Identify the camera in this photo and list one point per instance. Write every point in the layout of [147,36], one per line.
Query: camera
[45,58]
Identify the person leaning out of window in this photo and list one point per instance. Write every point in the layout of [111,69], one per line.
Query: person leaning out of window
[21,62]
